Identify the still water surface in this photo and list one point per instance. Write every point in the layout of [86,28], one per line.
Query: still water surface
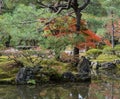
[101,90]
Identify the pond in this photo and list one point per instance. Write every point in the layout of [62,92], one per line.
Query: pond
[101,87]
[93,90]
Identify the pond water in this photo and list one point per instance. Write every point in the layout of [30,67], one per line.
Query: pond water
[100,88]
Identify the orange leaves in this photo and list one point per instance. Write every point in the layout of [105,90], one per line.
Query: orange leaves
[91,35]
[84,45]
[66,25]
[107,42]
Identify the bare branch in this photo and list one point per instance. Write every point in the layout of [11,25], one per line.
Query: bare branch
[43,5]
[57,7]
[66,7]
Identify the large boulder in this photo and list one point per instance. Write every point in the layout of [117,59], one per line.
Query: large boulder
[26,73]
[83,66]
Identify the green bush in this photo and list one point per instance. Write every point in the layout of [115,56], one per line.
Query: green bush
[117,50]
[93,53]
[112,51]
[106,58]
[108,50]
[2,47]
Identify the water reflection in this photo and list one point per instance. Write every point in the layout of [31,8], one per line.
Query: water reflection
[63,91]
[105,88]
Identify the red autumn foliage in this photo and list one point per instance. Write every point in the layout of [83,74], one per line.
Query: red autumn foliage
[66,25]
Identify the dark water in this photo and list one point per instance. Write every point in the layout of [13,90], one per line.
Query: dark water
[101,90]
[103,87]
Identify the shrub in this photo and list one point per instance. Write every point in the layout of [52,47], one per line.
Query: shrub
[2,47]
[109,51]
[117,50]
[112,51]
[93,53]
[106,58]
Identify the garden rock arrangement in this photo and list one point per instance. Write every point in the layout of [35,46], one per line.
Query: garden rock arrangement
[105,65]
[83,74]
[117,62]
[83,66]
[108,65]
[70,77]
[26,73]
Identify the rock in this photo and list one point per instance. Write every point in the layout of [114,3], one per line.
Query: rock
[68,76]
[108,65]
[21,76]
[117,62]
[26,73]
[84,66]
[81,77]
[95,65]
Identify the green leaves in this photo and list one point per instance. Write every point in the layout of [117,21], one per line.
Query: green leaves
[22,24]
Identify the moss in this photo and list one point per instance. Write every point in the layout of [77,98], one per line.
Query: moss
[93,53]
[106,58]
[7,72]
[10,80]
[118,66]
[3,59]
[51,62]
[42,79]
[52,70]
[6,64]
[4,75]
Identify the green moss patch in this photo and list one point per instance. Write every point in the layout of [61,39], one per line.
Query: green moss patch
[106,58]
[3,58]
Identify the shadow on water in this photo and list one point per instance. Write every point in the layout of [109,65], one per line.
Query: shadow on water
[106,86]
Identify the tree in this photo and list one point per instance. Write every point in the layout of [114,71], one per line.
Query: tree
[113,12]
[1,5]
[22,25]
[60,5]
[60,32]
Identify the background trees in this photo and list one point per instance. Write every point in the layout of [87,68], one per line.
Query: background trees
[21,20]
[22,25]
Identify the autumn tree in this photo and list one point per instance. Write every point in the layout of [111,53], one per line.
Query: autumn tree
[61,5]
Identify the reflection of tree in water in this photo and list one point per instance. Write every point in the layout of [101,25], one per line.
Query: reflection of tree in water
[107,86]
[63,91]
[78,91]
[6,92]
[27,92]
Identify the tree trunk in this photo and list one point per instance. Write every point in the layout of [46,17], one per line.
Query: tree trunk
[113,31]
[1,5]
[76,50]
[7,43]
